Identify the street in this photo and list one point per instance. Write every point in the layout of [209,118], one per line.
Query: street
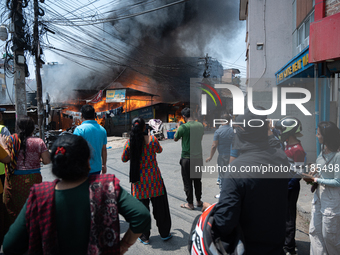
[231,62]
[182,219]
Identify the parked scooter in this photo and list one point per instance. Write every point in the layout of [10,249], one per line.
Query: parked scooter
[156,126]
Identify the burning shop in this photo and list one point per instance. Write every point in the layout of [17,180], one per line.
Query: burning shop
[115,108]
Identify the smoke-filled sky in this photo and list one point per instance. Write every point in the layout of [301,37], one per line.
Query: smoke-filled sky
[133,46]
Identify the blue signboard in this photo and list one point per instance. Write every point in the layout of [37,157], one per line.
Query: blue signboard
[117,95]
[295,66]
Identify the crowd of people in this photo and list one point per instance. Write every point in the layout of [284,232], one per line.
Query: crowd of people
[36,216]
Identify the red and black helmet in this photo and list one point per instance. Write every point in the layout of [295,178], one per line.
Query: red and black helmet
[203,241]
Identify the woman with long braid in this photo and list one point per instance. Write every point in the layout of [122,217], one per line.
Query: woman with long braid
[23,171]
[145,177]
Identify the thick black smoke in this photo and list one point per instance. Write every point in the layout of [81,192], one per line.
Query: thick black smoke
[161,40]
[185,29]
[156,52]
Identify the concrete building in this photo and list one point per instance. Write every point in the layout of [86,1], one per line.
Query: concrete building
[268,39]
[325,55]
[294,44]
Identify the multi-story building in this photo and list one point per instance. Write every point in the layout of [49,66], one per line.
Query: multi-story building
[268,39]
[295,44]
[324,53]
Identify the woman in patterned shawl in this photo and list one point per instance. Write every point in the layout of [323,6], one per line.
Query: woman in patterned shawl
[145,176]
[76,213]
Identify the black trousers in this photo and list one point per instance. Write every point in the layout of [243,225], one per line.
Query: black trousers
[161,213]
[191,178]
[293,195]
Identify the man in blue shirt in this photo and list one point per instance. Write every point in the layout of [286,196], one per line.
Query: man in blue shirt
[96,137]
[222,142]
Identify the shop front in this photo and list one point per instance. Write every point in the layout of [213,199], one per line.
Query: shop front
[299,73]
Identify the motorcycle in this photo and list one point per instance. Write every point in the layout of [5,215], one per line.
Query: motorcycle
[203,241]
[52,135]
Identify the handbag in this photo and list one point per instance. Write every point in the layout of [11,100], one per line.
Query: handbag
[315,184]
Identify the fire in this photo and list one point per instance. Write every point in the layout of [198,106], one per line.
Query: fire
[136,104]
[175,118]
[68,116]
[101,106]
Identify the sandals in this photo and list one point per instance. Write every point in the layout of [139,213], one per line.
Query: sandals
[143,240]
[199,204]
[187,206]
[167,238]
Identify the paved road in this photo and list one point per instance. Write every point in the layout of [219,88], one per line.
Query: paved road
[181,218]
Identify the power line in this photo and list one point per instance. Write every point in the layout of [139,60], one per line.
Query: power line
[240,56]
[124,17]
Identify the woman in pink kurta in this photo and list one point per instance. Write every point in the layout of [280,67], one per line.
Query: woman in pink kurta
[24,169]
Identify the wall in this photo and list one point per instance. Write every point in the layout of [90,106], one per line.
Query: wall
[332,7]
[303,7]
[327,28]
[270,23]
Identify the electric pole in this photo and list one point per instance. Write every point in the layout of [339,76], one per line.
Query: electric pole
[206,73]
[36,49]
[19,59]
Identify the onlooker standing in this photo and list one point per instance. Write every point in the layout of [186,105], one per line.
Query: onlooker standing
[4,158]
[4,152]
[146,178]
[23,171]
[290,128]
[324,228]
[191,133]
[76,214]
[255,202]
[3,131]
[96,136]
[222,141]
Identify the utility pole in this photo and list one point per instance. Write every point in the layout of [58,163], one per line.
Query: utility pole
[19,59]
[206,73]
[36,48]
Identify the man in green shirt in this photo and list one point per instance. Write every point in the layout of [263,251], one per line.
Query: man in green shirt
[191,133]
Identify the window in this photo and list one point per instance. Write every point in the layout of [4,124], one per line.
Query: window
[300,35]
[259,46]
[307,23]
[303,33]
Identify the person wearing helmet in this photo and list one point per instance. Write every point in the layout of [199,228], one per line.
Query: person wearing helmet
[255,201]
[290,128]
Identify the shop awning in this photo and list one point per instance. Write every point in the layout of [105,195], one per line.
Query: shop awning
[297,67]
